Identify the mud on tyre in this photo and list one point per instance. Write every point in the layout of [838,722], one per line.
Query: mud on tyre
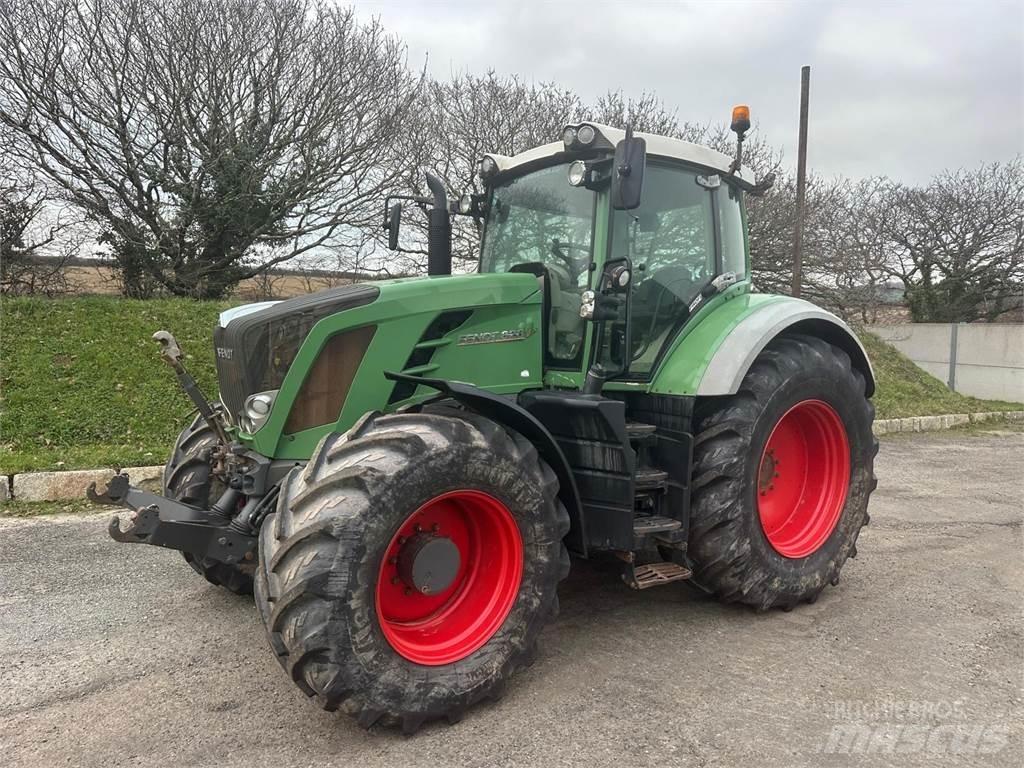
[337,580]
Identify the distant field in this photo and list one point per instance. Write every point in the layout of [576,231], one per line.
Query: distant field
[101,280]
[81,384]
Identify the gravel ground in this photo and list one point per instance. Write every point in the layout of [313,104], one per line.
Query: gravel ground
[117,655]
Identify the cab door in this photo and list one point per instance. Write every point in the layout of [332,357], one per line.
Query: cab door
[682,236]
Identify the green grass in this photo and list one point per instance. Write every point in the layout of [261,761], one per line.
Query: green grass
[81,384]
[903,389]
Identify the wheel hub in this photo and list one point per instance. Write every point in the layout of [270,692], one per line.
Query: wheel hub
[429,563]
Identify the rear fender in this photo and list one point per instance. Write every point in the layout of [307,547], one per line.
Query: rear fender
[713,357]
[737,353]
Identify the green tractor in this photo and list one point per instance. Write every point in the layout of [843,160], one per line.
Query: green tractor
[402,469]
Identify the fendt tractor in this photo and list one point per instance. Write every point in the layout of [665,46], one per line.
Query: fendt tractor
[401,469]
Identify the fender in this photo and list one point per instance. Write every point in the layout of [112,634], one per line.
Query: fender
[737,353]
[506,411]
[713,355]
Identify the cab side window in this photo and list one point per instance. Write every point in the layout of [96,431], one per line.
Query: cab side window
[730,217]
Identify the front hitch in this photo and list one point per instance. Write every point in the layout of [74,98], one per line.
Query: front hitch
[168,523]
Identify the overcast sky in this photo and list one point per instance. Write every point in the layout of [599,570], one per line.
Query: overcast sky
[902,89]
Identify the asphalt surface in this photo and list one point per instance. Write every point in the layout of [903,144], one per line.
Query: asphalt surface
[117,655]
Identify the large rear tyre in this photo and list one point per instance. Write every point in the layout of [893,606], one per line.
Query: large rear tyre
[783,471]
[411,565]
[188,478]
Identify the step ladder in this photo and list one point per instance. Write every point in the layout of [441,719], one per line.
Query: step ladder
[654,574]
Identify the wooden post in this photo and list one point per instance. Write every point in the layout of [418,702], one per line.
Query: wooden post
[801,182]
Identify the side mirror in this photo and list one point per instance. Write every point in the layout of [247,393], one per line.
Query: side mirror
[393,224]
[628,173]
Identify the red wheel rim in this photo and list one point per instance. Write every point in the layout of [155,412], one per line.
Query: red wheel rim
[461,616]
[803,478]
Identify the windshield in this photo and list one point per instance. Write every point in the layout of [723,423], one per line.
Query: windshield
[541,218]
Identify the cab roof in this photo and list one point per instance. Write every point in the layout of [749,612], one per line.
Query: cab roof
[608,137]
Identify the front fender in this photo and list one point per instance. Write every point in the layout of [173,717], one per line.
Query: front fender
[509,413]
[714,357]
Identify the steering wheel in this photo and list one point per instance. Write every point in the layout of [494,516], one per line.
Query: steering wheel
[576,266]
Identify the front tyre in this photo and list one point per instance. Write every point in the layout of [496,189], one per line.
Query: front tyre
[783,471]
[411,565]
[188,478]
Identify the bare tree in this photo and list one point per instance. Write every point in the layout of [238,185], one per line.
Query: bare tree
[958,243]
[198,132]
[847,266]
[37,238]
[460,120]
[646,113]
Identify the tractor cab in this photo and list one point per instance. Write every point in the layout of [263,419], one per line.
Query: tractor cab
[665,215]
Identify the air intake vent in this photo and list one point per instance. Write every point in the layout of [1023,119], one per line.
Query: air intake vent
[433,338]
[326,385]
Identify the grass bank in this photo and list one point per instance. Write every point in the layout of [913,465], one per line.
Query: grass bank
[81,384]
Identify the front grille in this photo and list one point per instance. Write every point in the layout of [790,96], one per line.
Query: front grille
[254,352]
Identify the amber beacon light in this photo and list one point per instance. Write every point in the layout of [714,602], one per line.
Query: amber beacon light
[740,118]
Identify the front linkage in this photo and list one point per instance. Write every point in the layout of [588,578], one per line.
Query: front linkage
[227,532]
[166,523]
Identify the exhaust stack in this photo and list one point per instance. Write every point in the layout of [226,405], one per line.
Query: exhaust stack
[439,229]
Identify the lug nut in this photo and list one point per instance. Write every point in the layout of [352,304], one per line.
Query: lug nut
[394,579]
[408,591]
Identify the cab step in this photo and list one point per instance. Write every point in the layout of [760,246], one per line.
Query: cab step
[650,479]
[654,574]
[649,525]
[637,430]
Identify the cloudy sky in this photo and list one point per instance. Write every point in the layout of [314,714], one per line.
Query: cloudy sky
[903,89]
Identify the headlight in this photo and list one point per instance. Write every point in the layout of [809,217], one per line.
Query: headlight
[256,410]
[569,136]
[488,167]
[466,204]
[586,134]
[577,173]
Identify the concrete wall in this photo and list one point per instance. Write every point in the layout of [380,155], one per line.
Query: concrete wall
[989,357]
